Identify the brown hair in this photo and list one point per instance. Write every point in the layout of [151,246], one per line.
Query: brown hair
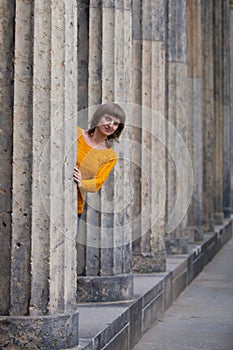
[113,110]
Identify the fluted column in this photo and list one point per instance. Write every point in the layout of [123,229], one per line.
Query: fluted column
[227,209]
[149,249]
[218,113]
[179,115]
[43,311]
[208,114]
[136,124]
[194,62]
[231,94]
[6,105]
[83,54]
[104,235]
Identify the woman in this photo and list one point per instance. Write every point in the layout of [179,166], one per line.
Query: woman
[95,156]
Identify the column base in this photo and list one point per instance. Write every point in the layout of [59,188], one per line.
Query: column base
[39,332]
[218,218]
[227,212]
[149,263]
[209,226]
[176,245]
[193,234]
[105,288]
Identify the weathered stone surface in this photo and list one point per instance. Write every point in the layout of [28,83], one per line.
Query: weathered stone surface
[167,291]
[148,41]
[185,111]
[176,24]
[176,245]
[195,51]
[227,209]
[121,341]
[105,288]
[231,97]
[149,262]
[22,161]
[153,20]
[83,53]
[41,135]
[152,312]
[218,114]
[42,305]
[208,115]
[6,125]
[45,332]
[95,56]
[135,322]
[179,115]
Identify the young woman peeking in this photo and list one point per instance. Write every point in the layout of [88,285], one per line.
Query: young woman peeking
[95,156]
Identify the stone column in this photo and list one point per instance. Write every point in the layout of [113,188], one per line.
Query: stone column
[83,54]
[208,114]
[194,62]
[104,237]
[179,115]
[6,105]
[149,249]
[231,95]
[43,312]
[227,209]
[136,124]
[218,114]
[121,197]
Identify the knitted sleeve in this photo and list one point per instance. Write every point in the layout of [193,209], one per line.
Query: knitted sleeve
[94,184]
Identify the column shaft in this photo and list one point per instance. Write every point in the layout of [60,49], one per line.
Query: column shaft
[226,109]
[43,310]
[218,114]
[195,73]
[179,114]
[83,54]
[208,115]
[231,96]
[95,55]
[149,249]
[6,105]
[22,161]
[136,121]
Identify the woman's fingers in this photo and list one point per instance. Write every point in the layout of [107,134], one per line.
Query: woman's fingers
[77,176]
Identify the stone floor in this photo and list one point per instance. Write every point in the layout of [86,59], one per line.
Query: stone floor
[202,316]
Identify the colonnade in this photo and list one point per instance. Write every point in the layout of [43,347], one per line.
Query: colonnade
[168,64]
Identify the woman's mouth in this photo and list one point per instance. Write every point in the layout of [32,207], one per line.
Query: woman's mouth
[107,129]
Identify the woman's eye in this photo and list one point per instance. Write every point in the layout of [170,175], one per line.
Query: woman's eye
[115,123]
[108,119]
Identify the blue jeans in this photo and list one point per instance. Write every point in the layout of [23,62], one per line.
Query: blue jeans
[79,218]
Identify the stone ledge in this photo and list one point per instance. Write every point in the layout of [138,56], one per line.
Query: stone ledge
[114,326]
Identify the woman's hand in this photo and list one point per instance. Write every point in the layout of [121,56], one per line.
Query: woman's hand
[77,176]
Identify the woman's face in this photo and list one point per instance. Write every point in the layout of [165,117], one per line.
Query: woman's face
[107,124]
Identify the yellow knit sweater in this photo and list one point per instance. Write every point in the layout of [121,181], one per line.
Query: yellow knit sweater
[95,166]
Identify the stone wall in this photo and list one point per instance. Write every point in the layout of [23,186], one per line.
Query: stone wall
[168,63]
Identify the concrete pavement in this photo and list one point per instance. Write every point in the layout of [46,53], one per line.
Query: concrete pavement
[202,316]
